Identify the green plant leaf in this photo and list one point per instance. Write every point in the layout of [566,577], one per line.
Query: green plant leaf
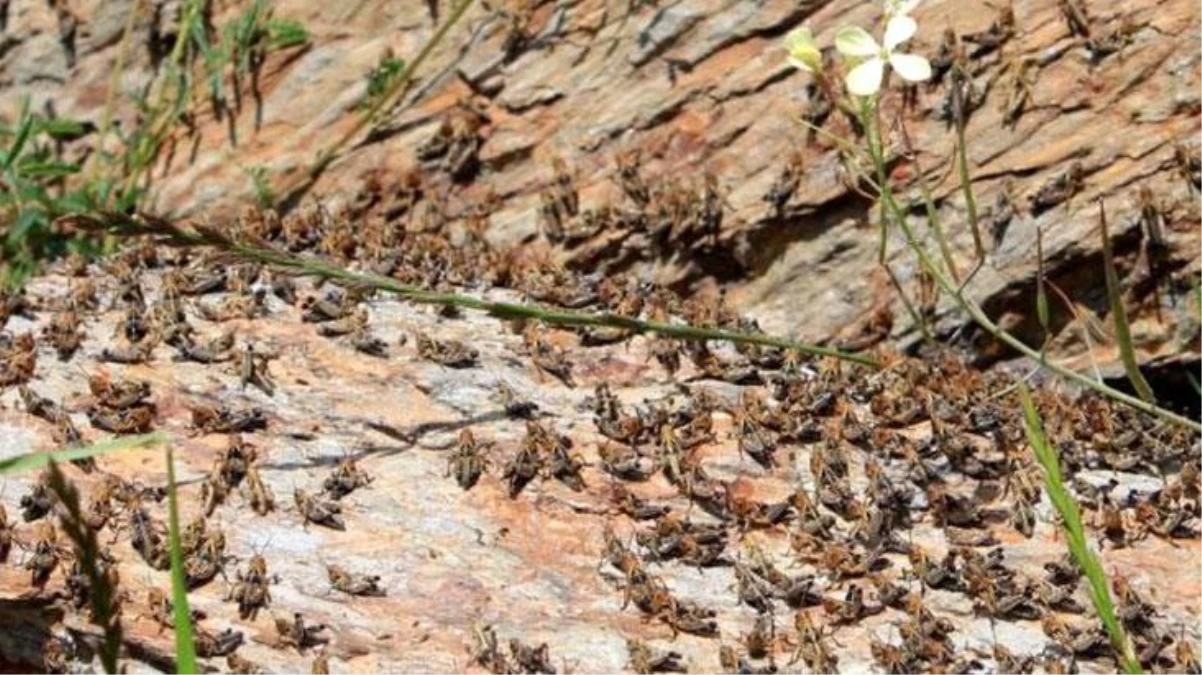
[24,129]
[380,79]
[1122,330]
[286,33]
[1193,382]
[76,202]
[24,225]
[62,128]
[1041,294]
[37,460]
[16,273]
[261,183]
[185,647]
[28,191]
[47,170]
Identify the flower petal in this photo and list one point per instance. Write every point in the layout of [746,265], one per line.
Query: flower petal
[855,41]
[798,38]
[800,63]
[865,79]
[911,67]
[803,53]
[898,30]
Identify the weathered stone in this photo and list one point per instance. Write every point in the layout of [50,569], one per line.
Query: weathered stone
[665,27]
[37,60]
[693,86]
[106,25]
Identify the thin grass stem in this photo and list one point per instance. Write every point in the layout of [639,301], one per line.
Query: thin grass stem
[126,226]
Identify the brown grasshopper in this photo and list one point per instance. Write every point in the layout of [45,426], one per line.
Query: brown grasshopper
[450,353]
[468,460]
[251,591]
[314,509]
[346,478]
[257,493]
[298,634]
[353,584]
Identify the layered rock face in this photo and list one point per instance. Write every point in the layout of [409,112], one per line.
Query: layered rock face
[701,88]
[740,509]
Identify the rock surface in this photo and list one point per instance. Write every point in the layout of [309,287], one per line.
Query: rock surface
[694,87]
[451,561]
[701,86]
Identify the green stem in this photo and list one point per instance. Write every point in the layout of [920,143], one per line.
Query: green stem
[159,122]
[978,315]
[125,226]
[933,217]
[871,120]
[970,201]
[981,319]
[110,98]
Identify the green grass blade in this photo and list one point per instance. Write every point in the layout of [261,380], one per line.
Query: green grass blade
[24,129]
[47,170]
[37,460]
[1193,382]
[380,79]
[285,33]
[62,128]
[1122,330]
[1066,506]
[185,648]
[261,183]
[20,229]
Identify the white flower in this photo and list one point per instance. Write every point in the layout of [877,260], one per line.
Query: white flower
[865,79]
[899,7]
[803,53]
